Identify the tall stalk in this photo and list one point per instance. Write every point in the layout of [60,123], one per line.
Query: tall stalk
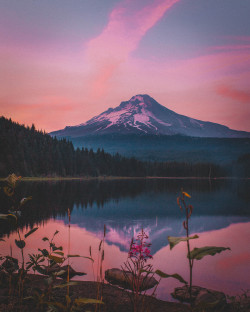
[188,210]
[68,251]
[99,277]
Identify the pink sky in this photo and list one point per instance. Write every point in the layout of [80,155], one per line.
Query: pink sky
[56,76]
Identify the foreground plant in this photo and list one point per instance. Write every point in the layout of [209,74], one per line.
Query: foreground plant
[10,265]
[196,253]
[139,274]
[42,298]
[136,269]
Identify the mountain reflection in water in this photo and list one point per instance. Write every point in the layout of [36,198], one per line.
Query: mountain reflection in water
[221,217]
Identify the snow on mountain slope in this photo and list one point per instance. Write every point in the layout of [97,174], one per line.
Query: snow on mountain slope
[143,115]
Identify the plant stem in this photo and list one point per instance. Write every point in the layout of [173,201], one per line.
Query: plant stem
[189,258]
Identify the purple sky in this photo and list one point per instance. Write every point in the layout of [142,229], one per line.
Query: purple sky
[63,62]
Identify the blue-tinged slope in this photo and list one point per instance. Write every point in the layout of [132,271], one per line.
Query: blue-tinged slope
[143,115]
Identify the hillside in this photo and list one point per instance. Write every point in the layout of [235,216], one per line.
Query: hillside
[222,151]
[29,152]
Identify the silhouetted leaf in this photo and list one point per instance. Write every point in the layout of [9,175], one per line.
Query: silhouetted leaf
[20,243]
[45,239]
[173,241]
[30,232]
[199,253]
[41,270]
[54,248]
[44,252]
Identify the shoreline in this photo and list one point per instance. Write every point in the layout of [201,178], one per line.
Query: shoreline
[114,298]
[111,178]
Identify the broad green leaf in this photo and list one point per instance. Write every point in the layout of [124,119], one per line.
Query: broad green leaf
[56,259]
[87,301]
[20,243]
[165,275]
[30,232]
[199,253]
[173,241]
[66,285]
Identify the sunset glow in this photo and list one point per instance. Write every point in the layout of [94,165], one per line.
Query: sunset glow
[62,64]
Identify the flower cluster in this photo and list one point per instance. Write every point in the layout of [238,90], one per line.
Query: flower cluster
[139,248]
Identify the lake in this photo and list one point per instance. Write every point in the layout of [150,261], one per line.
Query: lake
[221,217]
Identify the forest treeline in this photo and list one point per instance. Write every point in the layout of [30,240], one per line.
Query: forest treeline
[29,152]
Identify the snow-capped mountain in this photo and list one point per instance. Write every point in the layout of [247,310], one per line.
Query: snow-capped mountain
[143,115]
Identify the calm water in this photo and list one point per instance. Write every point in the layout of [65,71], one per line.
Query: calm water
[221,217]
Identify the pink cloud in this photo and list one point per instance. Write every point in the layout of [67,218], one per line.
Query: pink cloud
[232,93]
[231,47]
[126,26]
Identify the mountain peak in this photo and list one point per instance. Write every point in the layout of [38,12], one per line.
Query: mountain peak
[144,115]
[142,100]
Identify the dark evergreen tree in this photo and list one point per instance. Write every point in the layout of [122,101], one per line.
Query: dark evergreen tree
[29,152]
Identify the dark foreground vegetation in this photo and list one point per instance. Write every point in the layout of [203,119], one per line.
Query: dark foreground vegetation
[29,152]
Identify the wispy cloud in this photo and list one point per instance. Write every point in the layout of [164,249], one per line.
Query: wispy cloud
[230,92]
[128,23]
